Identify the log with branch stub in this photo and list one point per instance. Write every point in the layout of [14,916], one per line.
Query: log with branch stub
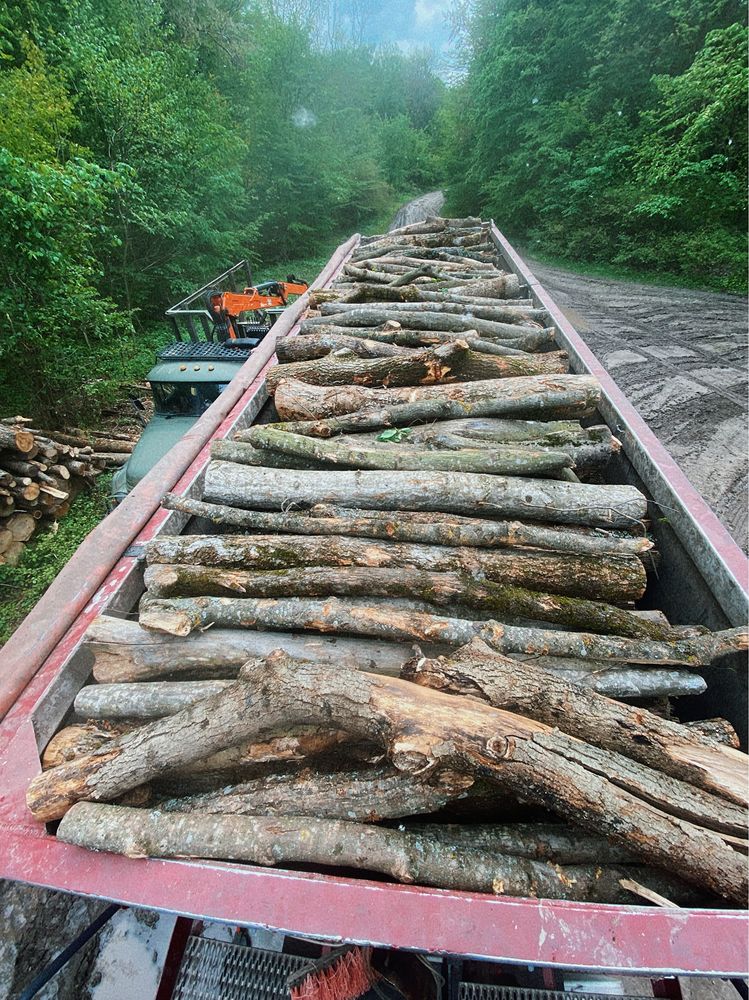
[405,857]
[634,732]
[553,397]
[318,345]
[182,615]
[423,730]
[500,460]
[441,589]
[607,506]
[409,526]
[617,578]
[363,795]
[123,651]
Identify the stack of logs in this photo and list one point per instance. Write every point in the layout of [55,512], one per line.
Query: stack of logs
[40,473]
[414,596]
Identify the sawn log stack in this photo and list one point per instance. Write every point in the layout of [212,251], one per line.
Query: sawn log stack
[405,631]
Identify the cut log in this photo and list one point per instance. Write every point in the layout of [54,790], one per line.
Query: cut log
[442,589]
[426,311]
[666,746]
[318,345]
[16,438]
[420,368]
[551,396]
[21,526]
[365,796]
[501,460]
[422,729]
[610,506]
[78,740]
[405,857]
[142,701]
[617,578]
[408,526]
[123,651]
[180,616]
[394,335]
[719,730]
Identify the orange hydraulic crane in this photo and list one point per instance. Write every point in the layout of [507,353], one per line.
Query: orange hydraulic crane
[225,307]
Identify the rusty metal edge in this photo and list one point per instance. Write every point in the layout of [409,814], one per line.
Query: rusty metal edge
[74,586]
[716,555]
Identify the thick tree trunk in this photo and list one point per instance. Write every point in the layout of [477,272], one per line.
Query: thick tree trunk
[666,746]
[442,589]
[405,857]
[180,616]
[617,578]
[364,796]
[447,363]
[553,396]
[408,526]
[422,730]
[610,506]
[499,460]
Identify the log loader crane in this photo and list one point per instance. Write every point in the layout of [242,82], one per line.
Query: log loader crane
[192,371]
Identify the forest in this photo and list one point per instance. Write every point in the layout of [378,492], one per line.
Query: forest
[145,145]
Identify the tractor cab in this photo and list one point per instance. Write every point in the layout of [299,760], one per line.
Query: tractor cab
[192,372]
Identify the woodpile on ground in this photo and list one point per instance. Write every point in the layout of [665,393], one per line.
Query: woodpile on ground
[40,473]
[404,634]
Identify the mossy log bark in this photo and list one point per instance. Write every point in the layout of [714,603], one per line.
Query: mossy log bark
[661,744]
[551,396]
[123,651]
[616,578]
[500,460]
[363,795]
[451,362]
[408,526]
[180,616]
[549,501]
[405,857]
[442,589]
[422,729]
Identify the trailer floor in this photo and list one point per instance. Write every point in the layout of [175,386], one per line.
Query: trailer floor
[680,355]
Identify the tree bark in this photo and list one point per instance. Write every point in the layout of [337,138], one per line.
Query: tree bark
[407,526]
[123,651]
[449,362]
[16,438]
[553,396]
[511,313]
[180,616]
[666,746]
[409,858]
[142,701]
[420,368]
[530,340]
[422,729]
[442,589]
[318,345]
[616,578]
[610,506]
[440,319]
[500,460]
[719,730]
[364,795]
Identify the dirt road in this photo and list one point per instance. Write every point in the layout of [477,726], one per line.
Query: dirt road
[681,357]
[419,209]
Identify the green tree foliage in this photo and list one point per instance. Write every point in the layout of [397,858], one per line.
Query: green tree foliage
[608,132]
[146,145]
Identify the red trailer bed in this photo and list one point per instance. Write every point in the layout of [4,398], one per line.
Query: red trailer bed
[43,667]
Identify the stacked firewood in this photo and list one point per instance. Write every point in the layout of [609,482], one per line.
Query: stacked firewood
[411,596]
[40,473]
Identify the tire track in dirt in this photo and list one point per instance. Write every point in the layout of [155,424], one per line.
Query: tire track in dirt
[680,356]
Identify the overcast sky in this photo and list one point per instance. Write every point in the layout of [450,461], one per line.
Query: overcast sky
[410,24]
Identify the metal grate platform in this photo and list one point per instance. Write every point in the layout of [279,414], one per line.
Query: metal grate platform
[218,970]
[204,351]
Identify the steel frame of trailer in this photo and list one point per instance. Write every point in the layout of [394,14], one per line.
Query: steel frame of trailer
[584,936]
